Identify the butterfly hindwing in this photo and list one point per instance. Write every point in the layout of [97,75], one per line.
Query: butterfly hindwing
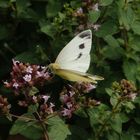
[75,76]
[76,54]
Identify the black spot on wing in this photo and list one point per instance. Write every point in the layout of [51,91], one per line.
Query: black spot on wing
[80,54]
[85,34]
[81,46]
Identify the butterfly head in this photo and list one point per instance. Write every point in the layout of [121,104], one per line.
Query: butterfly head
[54,66]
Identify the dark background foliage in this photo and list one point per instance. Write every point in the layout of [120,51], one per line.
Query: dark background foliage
[35,31]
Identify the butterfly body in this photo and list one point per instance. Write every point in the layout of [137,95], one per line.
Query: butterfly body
[73,61]
[74,76]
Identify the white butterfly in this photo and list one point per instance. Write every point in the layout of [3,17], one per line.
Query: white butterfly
[73,61]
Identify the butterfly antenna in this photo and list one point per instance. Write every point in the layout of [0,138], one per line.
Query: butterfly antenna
[49,61]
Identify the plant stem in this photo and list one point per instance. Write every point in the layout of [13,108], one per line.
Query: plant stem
[22,117]
[125,36]
[99,133]
[30,119]
[42,125]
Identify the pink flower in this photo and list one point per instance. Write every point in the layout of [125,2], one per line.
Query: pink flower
[79,11]
[42,74]
[52,105]
[132,96]
[95,7]
[71,93]
[66,112]
[69,105]
[43,67]
[45,97]
[16,85]
[34,98]
[96,27]
[29,69]
[64,98]
[89,87]
[6,83]
[50,109]
[15,62]
[85,87]
[27,77]
[39,74]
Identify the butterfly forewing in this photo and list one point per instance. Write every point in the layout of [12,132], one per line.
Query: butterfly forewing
[76,54]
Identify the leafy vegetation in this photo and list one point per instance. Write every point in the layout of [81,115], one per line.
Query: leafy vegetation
[34,31]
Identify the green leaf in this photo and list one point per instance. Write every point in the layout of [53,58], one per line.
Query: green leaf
[95,114]
[93,16]
[29,129]
[112,135]
[12,0]
[29,57]
[137,120]
[129,106]
[29,14]
[109,52]
[105,30]
[137,100]
[4,32]
[130,15]
[22,5]
[62,16]
[105,2]
[111,41]
[136,27]
[76,133]
[48,29]
[32,108]
[138,73]
[124,117]
[24,10]
[53,7]
[113,100]
[116,123]
[4,3]
[123,19]
[5,120]
[57,129]
[42,53]
[135,43]
[33,91]
[109,91]
[129,68]
[81,112]
[126,16]
[127,136]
